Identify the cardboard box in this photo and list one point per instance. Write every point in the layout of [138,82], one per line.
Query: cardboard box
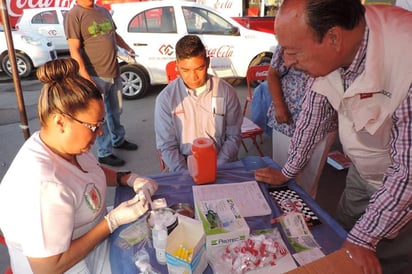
[222,222]
[189,234]
[337,262]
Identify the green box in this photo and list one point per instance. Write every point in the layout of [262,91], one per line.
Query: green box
[222,222]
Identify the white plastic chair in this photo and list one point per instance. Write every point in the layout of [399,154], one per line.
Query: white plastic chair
[309,177]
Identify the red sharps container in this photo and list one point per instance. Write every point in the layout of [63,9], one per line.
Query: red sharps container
[202,162]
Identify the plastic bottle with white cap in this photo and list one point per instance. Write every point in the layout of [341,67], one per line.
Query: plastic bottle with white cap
[202,163]
[159,235]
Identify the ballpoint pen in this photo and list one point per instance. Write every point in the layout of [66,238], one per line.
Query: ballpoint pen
[214,113]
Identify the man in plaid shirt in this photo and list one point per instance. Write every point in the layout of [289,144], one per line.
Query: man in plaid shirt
[361,66]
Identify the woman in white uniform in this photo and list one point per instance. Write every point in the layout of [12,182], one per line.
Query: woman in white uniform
[52,198]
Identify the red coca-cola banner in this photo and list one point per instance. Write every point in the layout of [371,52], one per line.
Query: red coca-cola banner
[15,7]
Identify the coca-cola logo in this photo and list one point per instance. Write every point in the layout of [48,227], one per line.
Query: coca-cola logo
[224,51]
[15,7]
[261,73]
[225,4]
[217,4]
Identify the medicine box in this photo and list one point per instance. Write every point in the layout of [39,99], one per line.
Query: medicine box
[222,222]
[188,235]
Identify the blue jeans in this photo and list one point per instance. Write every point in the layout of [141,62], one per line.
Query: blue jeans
[113,131]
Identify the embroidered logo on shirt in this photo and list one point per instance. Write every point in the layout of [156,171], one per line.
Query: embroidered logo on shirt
[93,197]
[365,95]
[386,93]
[370,94]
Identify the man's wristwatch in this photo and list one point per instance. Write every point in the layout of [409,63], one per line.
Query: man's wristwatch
[119,176]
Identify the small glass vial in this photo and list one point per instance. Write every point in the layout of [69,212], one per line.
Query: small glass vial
[159,203]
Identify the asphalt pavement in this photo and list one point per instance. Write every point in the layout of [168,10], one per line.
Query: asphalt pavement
[137,118]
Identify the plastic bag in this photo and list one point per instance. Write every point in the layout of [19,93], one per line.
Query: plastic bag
[124,55]
[254,253]
[142,259]
[134,233]
[142,262]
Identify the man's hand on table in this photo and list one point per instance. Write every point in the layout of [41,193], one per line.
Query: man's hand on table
[363,257]
[270,176]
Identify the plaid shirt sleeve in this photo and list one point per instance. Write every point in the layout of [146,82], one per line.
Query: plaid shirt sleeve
[390,207]
[316,119]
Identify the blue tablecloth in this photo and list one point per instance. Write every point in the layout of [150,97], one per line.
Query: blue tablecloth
[177,187]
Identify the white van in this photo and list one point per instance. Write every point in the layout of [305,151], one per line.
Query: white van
[152,29]
[47,22]
[31,51]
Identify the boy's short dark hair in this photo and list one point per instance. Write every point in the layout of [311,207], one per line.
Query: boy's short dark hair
[189,46]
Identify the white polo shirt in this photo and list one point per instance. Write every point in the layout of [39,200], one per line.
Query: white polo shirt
[46,202]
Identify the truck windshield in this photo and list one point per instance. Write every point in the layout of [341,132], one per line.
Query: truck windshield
[201,21]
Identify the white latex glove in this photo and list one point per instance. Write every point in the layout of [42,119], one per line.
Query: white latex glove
[127,211]
[138,182]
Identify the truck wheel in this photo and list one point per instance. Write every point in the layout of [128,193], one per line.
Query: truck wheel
[24,66]
[134,82]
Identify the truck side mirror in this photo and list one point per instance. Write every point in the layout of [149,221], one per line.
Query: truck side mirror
[235,31]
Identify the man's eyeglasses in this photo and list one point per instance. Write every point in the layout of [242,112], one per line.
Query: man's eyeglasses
[93,128]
